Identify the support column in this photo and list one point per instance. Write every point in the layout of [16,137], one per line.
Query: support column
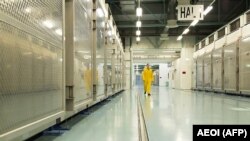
[131,69]
[94,77]
[113,71]
[128,63]
[105,61]
[69,54]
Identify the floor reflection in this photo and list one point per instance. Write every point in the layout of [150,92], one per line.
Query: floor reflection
[173,112]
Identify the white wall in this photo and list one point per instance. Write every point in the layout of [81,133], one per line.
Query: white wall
[176,74]
[186,66]
[155,42]
[182,70]
[127,69]
[163,72]
[183,64]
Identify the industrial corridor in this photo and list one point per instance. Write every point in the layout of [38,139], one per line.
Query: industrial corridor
[124,70]
[169,115]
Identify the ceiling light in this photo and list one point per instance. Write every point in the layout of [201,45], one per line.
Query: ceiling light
[103,24]
[86,56]
[28,10]
[138,32]
[109,32]
[138,39]
[139,11]
[48,24]
[139,51]
[246,39]
[194,22]
[138,24]
[169,51]
[85,14]
[185,31]
[179,38]
[59,32]
[209,8]
[228,51]
[81,51]
[99,12]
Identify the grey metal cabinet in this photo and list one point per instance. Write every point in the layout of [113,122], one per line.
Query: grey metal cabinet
[217,61]
[230,67]
[244,66]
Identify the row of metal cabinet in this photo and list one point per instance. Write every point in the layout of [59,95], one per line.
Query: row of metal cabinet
[57,58]
[224,64]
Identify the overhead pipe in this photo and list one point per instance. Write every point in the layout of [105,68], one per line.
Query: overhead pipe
[171,16]
[171,13]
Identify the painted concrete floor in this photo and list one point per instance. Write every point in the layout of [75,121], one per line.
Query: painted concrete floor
[114,121]
[169,116]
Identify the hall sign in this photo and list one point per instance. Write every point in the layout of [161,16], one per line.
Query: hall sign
[190,12]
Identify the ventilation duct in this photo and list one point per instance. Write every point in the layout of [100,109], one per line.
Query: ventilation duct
[171,13]
[127,7]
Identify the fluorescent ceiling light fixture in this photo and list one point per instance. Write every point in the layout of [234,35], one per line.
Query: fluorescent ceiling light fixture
[185,31]
[86,56]
[81,51]
[138,32]
[99,12]
[138,24]
[27,53]
[103,24]
[194,22]
[216,55]
[28,10]
[138,39]
[179,38]
[139,11]
[209,8]
[139,51]
[228,51]
[246,39]
[109,32]
[170,51]
[175,56]
[48,23]
[59,32]
[85,14]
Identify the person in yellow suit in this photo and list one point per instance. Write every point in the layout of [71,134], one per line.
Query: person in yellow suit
[144,84]
[147,77]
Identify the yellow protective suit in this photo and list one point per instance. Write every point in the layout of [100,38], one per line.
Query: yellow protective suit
[144,84]
[147,77]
